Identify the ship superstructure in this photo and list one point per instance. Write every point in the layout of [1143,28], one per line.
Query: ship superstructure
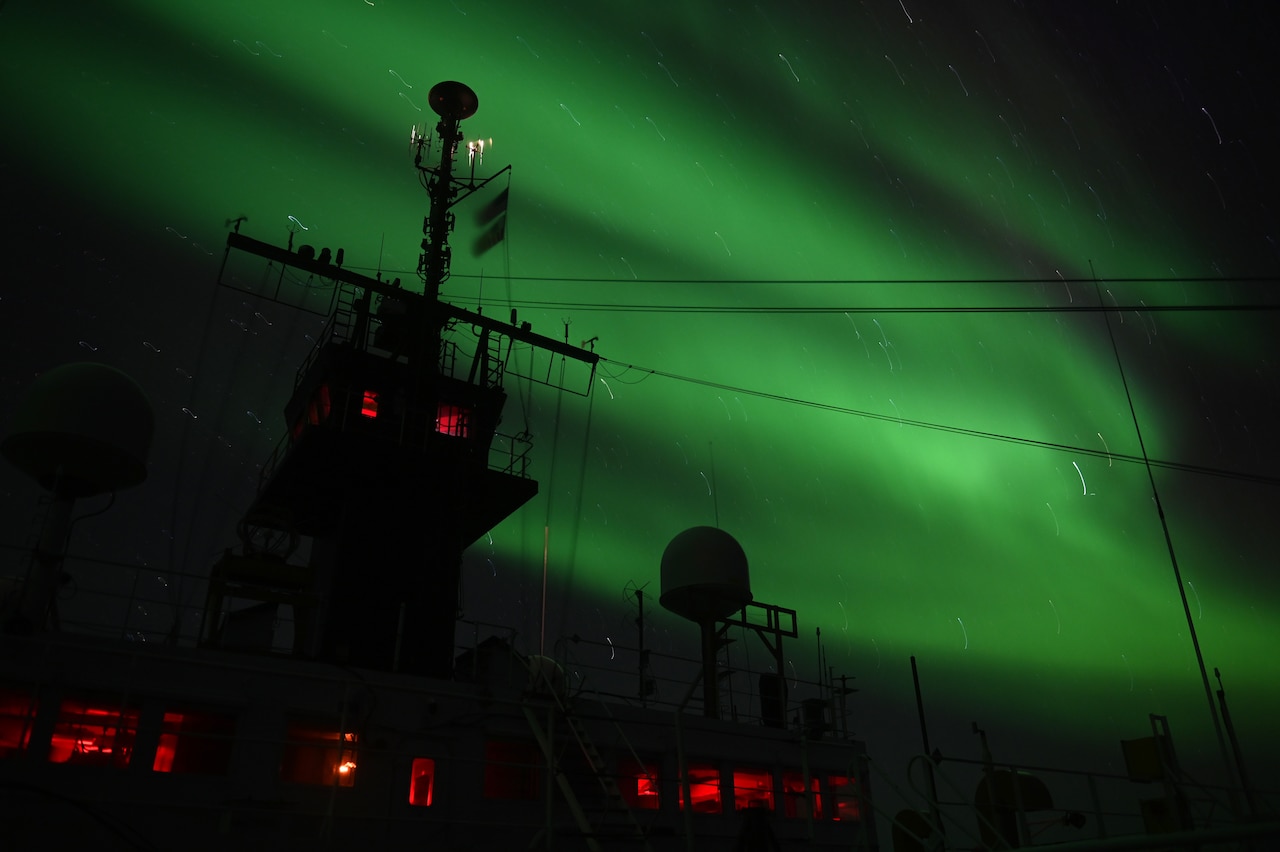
[370,723]
[393,462]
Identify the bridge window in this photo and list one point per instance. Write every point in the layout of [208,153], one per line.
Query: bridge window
[422,781]
[194,741]
[752,788]
[315,754]
[17,714]
[844,798]
[638,784]
[453,420]
[320,405]
[317,412]
[704,789]
[93,732]
[796,801]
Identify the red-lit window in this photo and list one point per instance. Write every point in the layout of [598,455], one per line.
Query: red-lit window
[638,784]
[752,788]
[511,770]
[422,781]
[322,405]
[317,412]
[314,754]
[93,732]
[17,714]
[194,741]
[453,420]
[795,801]
[844,798]
[369,404]
[704,789]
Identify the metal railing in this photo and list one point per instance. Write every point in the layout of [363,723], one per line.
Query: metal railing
[608,670]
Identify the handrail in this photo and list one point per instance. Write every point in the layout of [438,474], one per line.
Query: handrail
[958,805]
[893,819]
[1089,774]
[541,678]
[938,773]
[680,682]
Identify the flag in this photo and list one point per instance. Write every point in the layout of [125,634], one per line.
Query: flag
[495,208]
[490,238]
[494,215]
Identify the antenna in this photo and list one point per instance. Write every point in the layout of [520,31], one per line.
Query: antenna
[1168,539]
[1235,746]
[715,497]
[542,626]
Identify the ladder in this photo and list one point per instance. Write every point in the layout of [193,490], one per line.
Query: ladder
[599,767]
[494,364]
[32,545]
[725,671]
[339,329]
[487,366]
[344,313]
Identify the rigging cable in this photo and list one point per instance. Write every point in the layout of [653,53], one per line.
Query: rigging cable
[546,529]
[1168,540]
[197,379]
[571,562]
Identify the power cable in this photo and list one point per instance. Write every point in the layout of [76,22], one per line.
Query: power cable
[955,430]
[615,307]
[629,282]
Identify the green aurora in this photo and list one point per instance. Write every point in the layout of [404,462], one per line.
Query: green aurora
[762,214]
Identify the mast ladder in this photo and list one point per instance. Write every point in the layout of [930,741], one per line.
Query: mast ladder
[344,313]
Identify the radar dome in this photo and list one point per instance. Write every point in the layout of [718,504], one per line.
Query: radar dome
[453,100]
[704,575]
[83,429]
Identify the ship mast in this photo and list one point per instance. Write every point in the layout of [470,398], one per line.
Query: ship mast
[393,462]
[453,102]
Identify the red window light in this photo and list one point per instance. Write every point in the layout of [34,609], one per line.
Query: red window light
[369,405]
[752,788]
[453,420]
[844,797]
[194,741]
[704,789]
[796,802]
[322,405]
[638,784]
[313,754]
[422,781]
[93,733]
[317,412]
[17,713]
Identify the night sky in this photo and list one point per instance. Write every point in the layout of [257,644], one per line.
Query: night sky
[842,261]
